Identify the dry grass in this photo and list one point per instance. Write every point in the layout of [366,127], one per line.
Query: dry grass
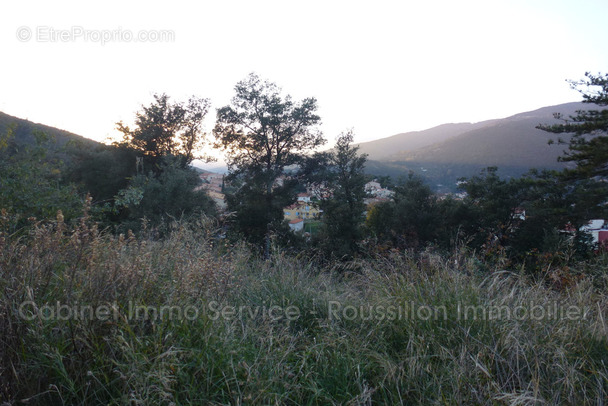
[323,356]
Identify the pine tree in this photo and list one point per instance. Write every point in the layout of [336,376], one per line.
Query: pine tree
[343,212]
[588,146]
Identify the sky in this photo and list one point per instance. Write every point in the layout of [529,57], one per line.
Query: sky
[379,68]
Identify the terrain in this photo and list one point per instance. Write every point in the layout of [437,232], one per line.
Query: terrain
[445,153]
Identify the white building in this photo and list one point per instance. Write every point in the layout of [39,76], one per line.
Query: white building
[372,187]
[296,225]
[595,228]
[304,197]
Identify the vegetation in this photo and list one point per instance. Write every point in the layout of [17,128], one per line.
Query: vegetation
[343,347]
[588,146]
[167,129]
[31,184]
[172,194]
[343,172]
[121,284]
[262,134]
[165,140]
[410,219]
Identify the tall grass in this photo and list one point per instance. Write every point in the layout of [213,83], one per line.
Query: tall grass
[342,347]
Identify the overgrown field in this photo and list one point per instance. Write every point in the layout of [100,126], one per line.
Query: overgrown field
[90,318]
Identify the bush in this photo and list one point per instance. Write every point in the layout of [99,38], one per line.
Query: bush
[162,198]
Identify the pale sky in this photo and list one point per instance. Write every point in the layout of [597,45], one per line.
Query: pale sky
[380,67]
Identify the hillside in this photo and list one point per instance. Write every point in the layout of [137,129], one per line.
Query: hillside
[513,144]
[25,132]
[385,147]
[513,141]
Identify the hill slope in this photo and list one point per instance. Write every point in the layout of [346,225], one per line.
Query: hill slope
[513,141]
[383,148]
[25,132]
[513,144]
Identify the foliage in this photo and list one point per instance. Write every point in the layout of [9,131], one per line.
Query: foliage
[519,221]
[252,214]
[410,220]
[554,207]
[496,202]
[158,199]
[343,211]
[102,171]
[588,144]
[527,217]
[385,181]
[262,133]
[167,128]
[409,326]
[147,175]
[31,182]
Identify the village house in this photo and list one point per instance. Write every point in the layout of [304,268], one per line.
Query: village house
[304,197]
[519,214]
[301,210]
[306,209]
[374,189]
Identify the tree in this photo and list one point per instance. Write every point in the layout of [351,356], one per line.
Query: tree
[166,139]
[167,128]
[343,212]
[262,133]
[410,219]
[522,217]
[588,146]
[415,209]
[495,204]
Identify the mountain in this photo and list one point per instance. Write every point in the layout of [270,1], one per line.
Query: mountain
[211,167]
[513,141]
[448,152]
[385,147]
[25,132]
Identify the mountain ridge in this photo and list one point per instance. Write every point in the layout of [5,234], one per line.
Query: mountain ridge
[25,128]
[383,148]
[514,140]
[513,144]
